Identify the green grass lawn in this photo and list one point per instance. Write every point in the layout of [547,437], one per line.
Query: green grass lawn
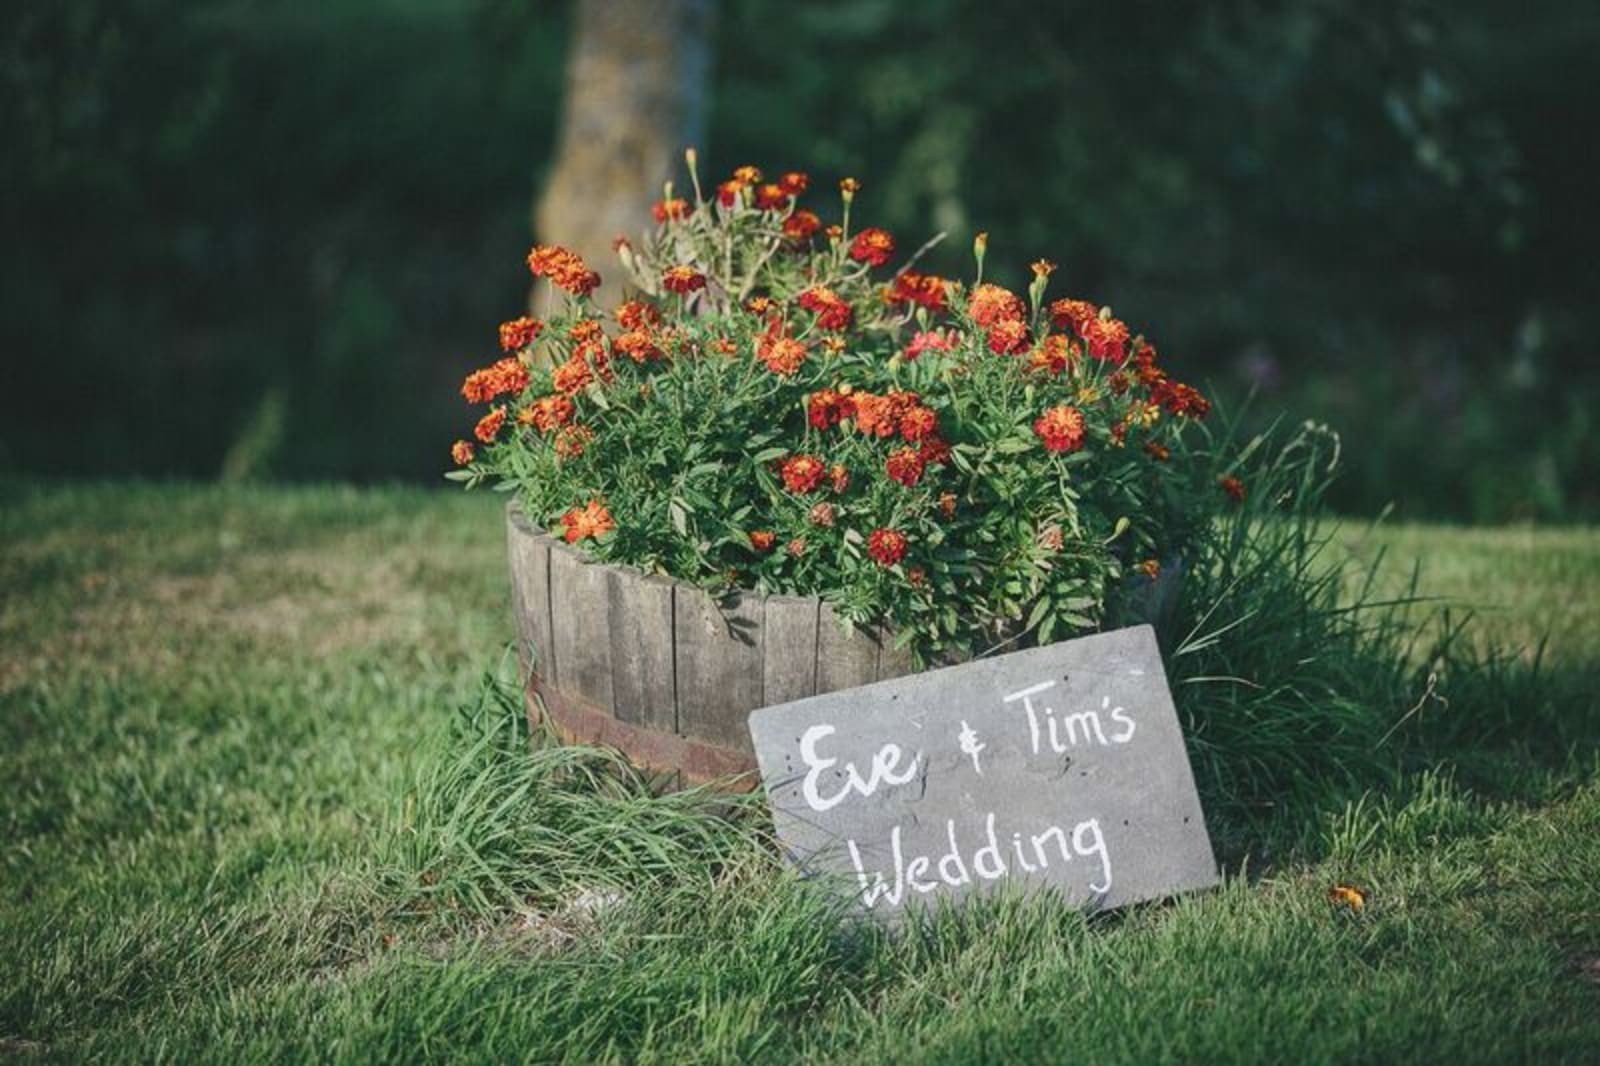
[245,818]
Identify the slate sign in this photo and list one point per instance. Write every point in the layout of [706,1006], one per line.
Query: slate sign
[1060,767]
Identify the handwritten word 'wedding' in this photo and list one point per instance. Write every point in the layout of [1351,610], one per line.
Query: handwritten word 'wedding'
[987,854]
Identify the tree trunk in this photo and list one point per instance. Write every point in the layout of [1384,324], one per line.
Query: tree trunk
[635,98]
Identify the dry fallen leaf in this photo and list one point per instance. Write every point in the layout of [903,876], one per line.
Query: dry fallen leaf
[1348,895]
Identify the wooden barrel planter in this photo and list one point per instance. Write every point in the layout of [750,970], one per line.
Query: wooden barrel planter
[667,673]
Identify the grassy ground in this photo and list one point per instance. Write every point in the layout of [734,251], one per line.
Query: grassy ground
[244,819]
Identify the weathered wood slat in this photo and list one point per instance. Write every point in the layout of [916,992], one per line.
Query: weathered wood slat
[892,661]
[790,654]
[844,660]
[580,611]
[529,550]
[719,652]
[644,690]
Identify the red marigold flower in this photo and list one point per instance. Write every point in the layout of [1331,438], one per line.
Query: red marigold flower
[803,473]
[822,515]
[728,193]
[747,175]
[990,304]
[489,425]
[1151,568]
[636,314]
[935,451]
[591,520]
[947,504]
[794,183]
[801,226]
[1234,488]
[926,290]
[782,355]
[904,466]
[840,478]
[572,377]
[1009,337]
[566,270]
[796,547]
[872,246]
[834,232]
[929,341]
[1053,355]
[875,416]
[572,440]
[919,422]
[1159,452]
[887,546]
[770,197]
[674,210]
[461,451]
[1119,383]
[1107,339]
[519,333]
[1180,399]
[826,409]
[1061,429]
[1073,314]
[832,312]
[638,346]
[848,187]
[506,375]
[762,540]
[682,280]
[552,412]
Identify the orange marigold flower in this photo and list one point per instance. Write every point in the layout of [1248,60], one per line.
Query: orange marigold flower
[461,451]
[875,416]
[1009,337]
[832,312]
[566,270]
[826,408]
[926,290]
[586,331]
[887,546]
[1043,268]
[770,197]
[990,304]
[1180,399]
[724,346]
[747,175]
[796,547]
[872,246]
[848,187]
[591,520]
[572,441]
[489,425]
[834,232]
[682,280]
[782,355]
[803,473]
[506,375]
[822,515]
[1061,429]
[762,540]
[794,183]
[1157,451]
[552,412]
[638,346]
[1072,314]
[728,193]
[519,333]
[929,341]
[758,305]
[1106,338]
[801,226]
[919,422]
[947,504]
[834,345]
[572,377]
[935,451]
[1051,537]
[1053,355]
[674,210]
[904,466]
[840,478]
[1151,568]
[636,314]
[1234,488]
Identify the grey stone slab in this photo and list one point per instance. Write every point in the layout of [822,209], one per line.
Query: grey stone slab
[529,552]
[892,661]
[720,650]
[790,654]
[644,691]
[1059,768]
[845,659]
[580,616]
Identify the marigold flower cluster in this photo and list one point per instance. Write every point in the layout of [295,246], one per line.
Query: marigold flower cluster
[780,399]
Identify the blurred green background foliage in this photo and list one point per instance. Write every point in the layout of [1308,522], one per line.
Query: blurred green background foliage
[268,239]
